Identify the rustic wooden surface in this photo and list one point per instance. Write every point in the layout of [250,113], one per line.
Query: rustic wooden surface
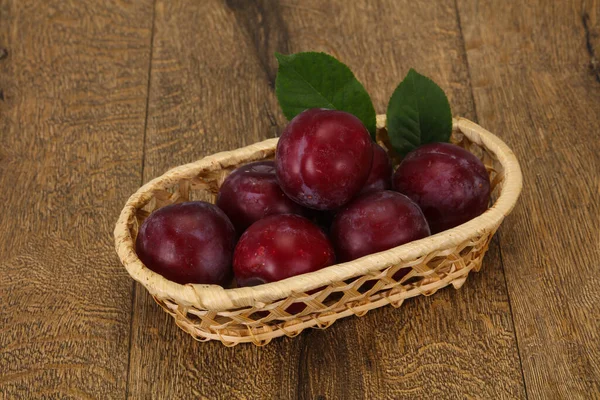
[73,85]
[98,97]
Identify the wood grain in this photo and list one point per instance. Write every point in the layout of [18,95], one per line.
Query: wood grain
[533,85]
[455,343]
[211,89]
[88,88]
[73,88]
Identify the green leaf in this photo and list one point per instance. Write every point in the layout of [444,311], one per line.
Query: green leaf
[311,80]
[418,113]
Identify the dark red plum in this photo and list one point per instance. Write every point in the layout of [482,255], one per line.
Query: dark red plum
[251,192]
[380,177]
[279,247]
[189,242]
[450,184]
[376,222]
[323,158]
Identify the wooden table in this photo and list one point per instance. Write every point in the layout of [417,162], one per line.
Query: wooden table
[98,97]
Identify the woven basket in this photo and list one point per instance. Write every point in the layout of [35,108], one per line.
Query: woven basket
[258,314]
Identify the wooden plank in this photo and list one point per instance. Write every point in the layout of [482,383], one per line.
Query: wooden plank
[212,89]
[455,343]
[73,89]
[534,86]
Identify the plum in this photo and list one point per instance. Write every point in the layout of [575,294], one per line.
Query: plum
[251,192]
[323,158]
[450,184]
[188,242]
[278,247]
[376,222]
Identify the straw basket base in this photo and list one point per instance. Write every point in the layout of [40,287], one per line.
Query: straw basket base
[381,294]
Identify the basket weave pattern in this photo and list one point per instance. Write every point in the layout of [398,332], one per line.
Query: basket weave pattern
[259,314]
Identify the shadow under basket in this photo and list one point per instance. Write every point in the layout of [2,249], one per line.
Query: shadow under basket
[260,313]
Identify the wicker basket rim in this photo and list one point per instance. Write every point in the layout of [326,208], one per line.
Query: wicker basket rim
[216,298]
